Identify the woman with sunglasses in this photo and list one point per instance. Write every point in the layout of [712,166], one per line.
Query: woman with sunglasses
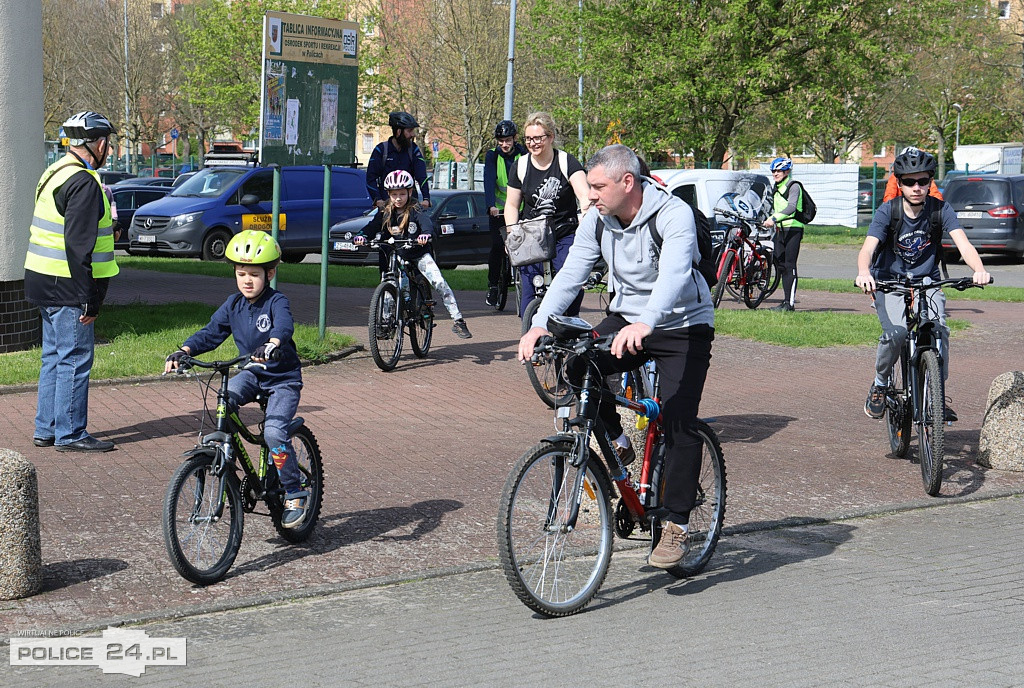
[902,242]
[551,183]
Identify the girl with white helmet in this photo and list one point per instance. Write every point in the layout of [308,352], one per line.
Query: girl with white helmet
[402,218]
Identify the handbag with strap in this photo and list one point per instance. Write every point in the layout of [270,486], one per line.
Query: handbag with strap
[530,241]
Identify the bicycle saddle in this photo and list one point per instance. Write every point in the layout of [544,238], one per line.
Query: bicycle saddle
[565,327]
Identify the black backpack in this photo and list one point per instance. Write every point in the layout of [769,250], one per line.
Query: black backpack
[933,207]
[706,265]
[806,214]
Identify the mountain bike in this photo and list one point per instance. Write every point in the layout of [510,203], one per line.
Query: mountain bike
[746,267]
[401,303]
[556,519]
[546,373]
[206,501]
[917,395]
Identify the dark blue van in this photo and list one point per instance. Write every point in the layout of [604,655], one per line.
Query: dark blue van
[199,217]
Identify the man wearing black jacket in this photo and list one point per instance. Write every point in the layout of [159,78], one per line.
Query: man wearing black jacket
[69,263]
[497,163]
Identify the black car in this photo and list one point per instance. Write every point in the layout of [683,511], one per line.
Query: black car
[128,199]
[864,200]
[461,225]
[991,212]
[146,181]
[111,177]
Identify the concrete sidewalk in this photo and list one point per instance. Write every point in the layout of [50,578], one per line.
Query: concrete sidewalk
[416,458]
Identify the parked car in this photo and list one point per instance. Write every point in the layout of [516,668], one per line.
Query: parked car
[128,199]
[990,208]
[111,177]
[146,181]
[199,217]
[182,178]
[460,220]
[864,194]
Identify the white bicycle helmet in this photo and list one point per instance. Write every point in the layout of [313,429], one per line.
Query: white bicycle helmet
[398,179]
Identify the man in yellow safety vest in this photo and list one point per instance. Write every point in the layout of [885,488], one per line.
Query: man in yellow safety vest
[69,263]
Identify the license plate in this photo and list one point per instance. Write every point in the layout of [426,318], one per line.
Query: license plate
[344,246]
[970,215]
[147,238]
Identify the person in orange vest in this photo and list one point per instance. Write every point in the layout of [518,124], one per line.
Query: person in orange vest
[892,186]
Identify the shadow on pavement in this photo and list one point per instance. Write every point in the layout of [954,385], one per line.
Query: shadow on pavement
[737,557]
[749,428]
[64,574]
[353,528]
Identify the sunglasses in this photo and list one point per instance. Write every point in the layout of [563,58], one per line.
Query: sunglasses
[919,181]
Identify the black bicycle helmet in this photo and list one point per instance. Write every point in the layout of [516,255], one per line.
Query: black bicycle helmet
[402,120]
[87,126]
[505,128]
[912,161]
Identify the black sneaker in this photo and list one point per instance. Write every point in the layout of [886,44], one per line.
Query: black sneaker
[460,329]
[784,307]
[492,297]
[875,405]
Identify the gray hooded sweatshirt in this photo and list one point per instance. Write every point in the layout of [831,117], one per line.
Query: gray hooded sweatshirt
[662,291]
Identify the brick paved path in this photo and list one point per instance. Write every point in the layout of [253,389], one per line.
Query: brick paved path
[922,598]
[416,458]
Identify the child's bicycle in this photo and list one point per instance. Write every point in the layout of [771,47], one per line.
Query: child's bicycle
[917,393]
[556,518]
[400,303]
[206,501]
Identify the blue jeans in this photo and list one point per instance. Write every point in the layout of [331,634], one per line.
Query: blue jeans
[526,273]
[62,411]
[281,407]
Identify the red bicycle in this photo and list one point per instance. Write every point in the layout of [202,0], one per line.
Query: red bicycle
[747,265]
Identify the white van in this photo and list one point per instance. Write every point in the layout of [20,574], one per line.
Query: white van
[705,189]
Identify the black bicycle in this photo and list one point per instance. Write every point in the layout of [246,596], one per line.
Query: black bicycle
[401,303]
[206,501]
[916,395]
[556,520]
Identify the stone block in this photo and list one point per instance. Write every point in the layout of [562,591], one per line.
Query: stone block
[20,555]
[1001,445]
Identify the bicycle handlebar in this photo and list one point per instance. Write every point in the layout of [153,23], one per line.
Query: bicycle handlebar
[549,343]
[222,366]
[907,284]
[392,241]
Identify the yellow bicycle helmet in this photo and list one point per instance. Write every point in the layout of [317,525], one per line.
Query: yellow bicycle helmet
[253,247]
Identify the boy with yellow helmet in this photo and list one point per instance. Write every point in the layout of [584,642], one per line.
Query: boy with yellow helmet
[260,319]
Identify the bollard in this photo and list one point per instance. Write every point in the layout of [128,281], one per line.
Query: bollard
[20,555]
[1001,444]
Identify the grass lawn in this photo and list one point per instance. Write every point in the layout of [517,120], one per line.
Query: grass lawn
[137,338]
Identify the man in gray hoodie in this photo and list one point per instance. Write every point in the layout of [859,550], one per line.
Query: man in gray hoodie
[660,307]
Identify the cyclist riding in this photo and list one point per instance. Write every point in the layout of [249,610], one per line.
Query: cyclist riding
[403,218]
[904,240]
[260,319]
[660,308]
[497,164]
[399,152]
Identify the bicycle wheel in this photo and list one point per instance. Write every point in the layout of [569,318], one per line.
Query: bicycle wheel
[930,432]
[546,376]
[758,279]
[503,284]
[421,326]
[553,569]
[729,265]
[708,513]
[898,413]
[311,465]
[385,326]
[201,543]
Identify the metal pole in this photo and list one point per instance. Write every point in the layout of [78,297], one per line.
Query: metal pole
[128,146]
[325,230]
[275,212]
[580,54]
[511,59]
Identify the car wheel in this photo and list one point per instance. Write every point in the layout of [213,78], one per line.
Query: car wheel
[215,244]
[293,257]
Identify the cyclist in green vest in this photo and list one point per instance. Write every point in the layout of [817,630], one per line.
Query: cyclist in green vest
[497,163]
[69,263]
[791,231]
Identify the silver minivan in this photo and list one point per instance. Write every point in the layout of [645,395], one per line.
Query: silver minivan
[990,209]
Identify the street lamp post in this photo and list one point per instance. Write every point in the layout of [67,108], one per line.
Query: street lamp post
[511,59]
[127,148]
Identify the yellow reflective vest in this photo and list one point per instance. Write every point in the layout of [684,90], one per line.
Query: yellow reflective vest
[47,254]
[780,202]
